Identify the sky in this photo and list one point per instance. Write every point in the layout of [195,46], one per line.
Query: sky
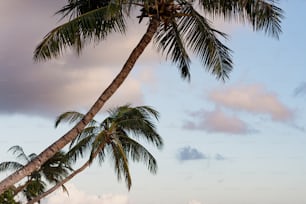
[239,141]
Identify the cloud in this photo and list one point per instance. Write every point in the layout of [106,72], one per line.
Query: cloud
[252,98]
[300,90]
[219,157]
[216,121]
[76,196]
[66,83]
[189,153]
[48,92]
[194,202]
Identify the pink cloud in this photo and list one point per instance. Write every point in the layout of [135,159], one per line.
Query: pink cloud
[194,202]
[217,121]
[252,98]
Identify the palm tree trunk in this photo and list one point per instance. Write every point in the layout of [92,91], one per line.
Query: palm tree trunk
[68,178]
[70,135]
[21,187]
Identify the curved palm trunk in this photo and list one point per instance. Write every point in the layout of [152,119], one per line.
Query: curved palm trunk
[70,135]
[21,187]
[68,178]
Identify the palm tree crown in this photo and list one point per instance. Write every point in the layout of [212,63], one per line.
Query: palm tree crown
[181,27]
[116,137]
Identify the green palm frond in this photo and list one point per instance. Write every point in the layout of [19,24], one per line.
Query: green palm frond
[149,111]
[138,153]
[56,168]
[127,116]
[120,160]
[32,156]
[102,155]
[141,130]
[138,122]
[18,151]
[72,117]
[100,141]
[261,14]
[169,41]
[265,16]
[34,188]
[88,132]
[10,166]
[69,117]
[80,148]
[76,8]
[64,188]
[202,39]
[92,25]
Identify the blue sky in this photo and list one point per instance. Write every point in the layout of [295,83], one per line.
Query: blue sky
[242,141]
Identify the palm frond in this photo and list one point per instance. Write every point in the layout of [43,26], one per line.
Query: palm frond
[138,122]
[169,41]
[141,130]
[64,188]
[121,162]
[72,117]
[265,16]
[80,148]
[20,154]
[101,155]
[98,144]
[138,153]
[32,156]
[261,14]
[149,111]
[56,168]
[90,132]
[202,40]
[76,8]
[10,166]
[34,188]
[92,25]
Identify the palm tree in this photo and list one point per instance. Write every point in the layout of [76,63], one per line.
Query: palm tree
[8,197]
[113,137]
[53,171]
[177,27]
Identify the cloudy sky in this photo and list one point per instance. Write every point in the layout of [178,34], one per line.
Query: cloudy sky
[242,141]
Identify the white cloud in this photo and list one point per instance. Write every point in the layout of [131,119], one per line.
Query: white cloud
[77,196]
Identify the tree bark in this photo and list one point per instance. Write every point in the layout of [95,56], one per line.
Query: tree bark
[70,135]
